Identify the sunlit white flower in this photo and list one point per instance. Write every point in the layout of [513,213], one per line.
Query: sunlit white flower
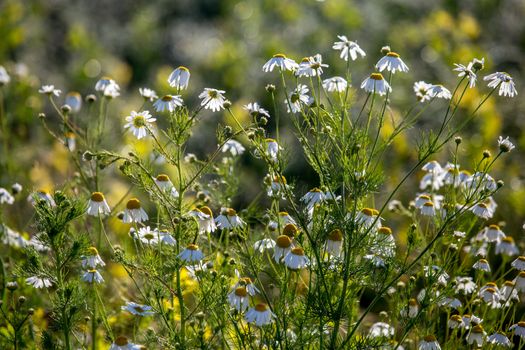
[283,245]
[277,187]
[468,71]
[205,219]
[92,259]
[148,94]
[311,66]
[520,281]
[428,209]
[112,90]
[235,148]
[337,84]
[313,197]
[421,90]
[507,247]
[368,217]
[454,303]
[505,145]
[438,273]
[255,110]
[6,197]
[295,259]
[238,299]
[246,282]
[168,103]
[455,321]
[297,99]
[92,276]
[432,180]
[191,254]
[147,236]
[509,293]
[477,334]
[49,90]
[490,295]
[471,320]
[272,149]
[98,205]
[392,63]
[39,282]
[165,237]
[429,342]
[432,167]
[499,339]
[11,237]
[482,210]
[505,82]
[42,195]
[228,219]
[282,62]
[102,83]
[212,99]
[134,212]
[4,77]
[348,48]
[519,263]
[439,91]
[179,78]
[465,285]
[481,181]
[164,183]
[376,84]
[261,315]
[263,244]
[411,310]
[384,243]
[74,100]
[139,123]
[381,329]
[519,329]
[482,265]
[138,309]
[334,243]
[122,343]
[492,233]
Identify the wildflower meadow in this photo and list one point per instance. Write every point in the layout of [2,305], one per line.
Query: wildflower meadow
[350,199]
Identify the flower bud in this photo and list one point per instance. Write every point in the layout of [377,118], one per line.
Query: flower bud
[91,98]
[65,109]
[270,88]
[385,49]
[486,154]
[458,140]
[227,104]
[12,286]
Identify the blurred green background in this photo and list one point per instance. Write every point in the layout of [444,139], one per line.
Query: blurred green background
[71,44]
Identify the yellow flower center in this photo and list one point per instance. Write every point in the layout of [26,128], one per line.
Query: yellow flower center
[97,197]
[283,241]
[494,227]
[92,251]
[206,210]
[336,235]
[456,318]
[521,323]
[483,261]
[298,251]
[231,212]
[261,307]
[121,341]
[508,240]
[139,121]
[163,178]
[424,196]
[133,203]
[368,211]
[428,204]
[376,76]
[241,292]
[477,329]
[430,338]
[192,247]
[385,230]
[183,68]
[212,93]
[167,98]
[290,230]
[279,179]
[392,54]
[509,283]
[279,55]
[283,213]
[521,258]
[412,302]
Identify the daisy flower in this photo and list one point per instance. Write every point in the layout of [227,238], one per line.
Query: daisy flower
[97,205]
[519,263]
[392,63]
[411,310]
[235,148]
[295,259]
[297,98]
[103,83]
[165,237]
[212,99]
[439,91]
[191,254]
[148,94]
[429,342]
[164,183]
[92,276]
[368,217]
[246,282]
[477,334]
[334,243]
[205,220]
[49,90]
[465,285]
[337,84]
[179,78]
[272,148]
[92,259]
[263,244]
[376,84]
[507,247]
[505,145]
[261,315]
[228,219]
[138,309]
[455,321]
[481,210]
[499,339]
[139,123]
[421,90]
[283,245]
[482,265]
[312,197]
[311,66]
[468,71]
[255,110]
[290,230]
[134,212]
[505,82]
[112,90]
[381,329]
[147,236]
[520,281]
[6,197]
[282,62]
[122,343]
[519,329]
[39,282]
[509,293]
[348,48]
[168,103]
[277,187]
[428,209]
[42,195]
[238,299]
